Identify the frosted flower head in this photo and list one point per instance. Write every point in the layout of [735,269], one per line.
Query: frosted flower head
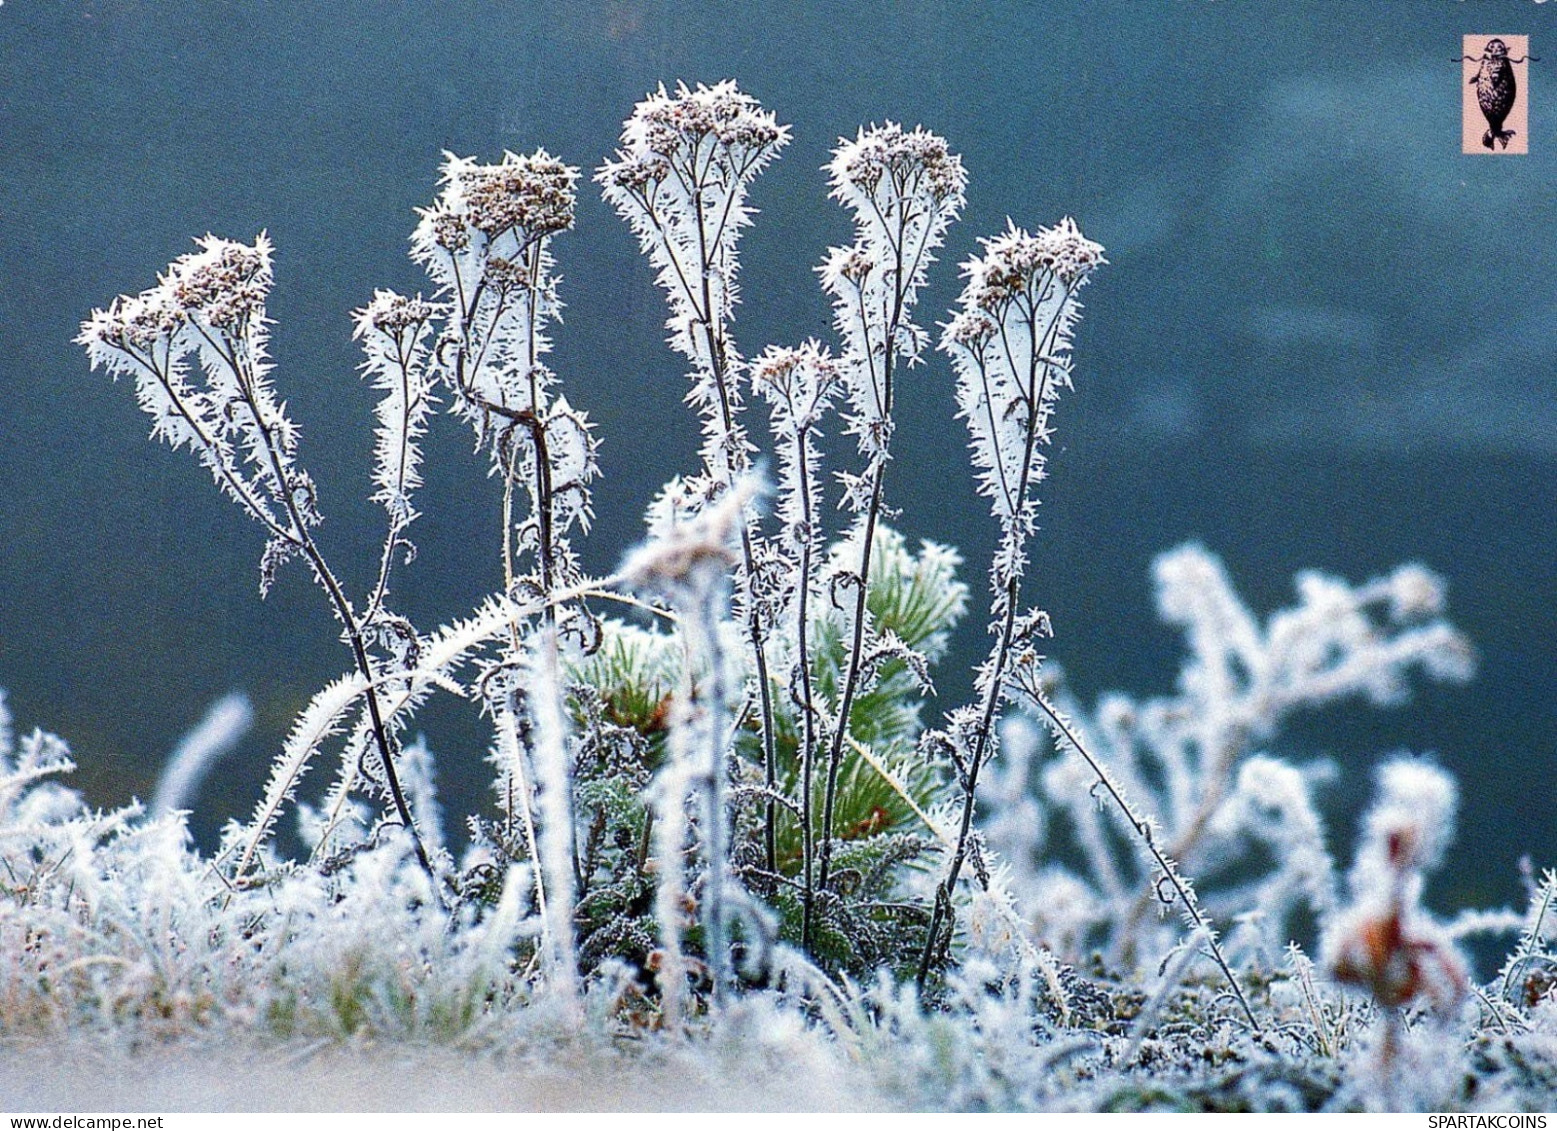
[522,198]
[668,131]
[690,554]
[799,371]
[971,329]
[1412,822]
[533,194]
[137,323]
[224,283]
[447,228]
[668,124]
[904,160]
[391,313]
[1017,262]
[853,263]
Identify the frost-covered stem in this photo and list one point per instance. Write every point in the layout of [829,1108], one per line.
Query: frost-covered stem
[798,384]
[970,778]
[669,820]
[904,188]
[410,399]
[680,179]
[344,612]
[851,680]
[512,752]
[543,501]
[706,619]
[879,458]
[1222,760]
[556,845]
[749,602]
[807,708]
[161,372]
[725,472]
[1167,869]
[1009,341]
[690,565]
[1038,393]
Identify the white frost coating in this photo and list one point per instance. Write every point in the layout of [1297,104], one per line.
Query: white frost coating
[211,304]
[394,332]
[485,243]
[556,811]
[216,736]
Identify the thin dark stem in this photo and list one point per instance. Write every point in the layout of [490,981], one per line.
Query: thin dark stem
[1143,830]
[873,514]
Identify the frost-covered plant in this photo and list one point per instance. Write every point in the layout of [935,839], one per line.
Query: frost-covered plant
[1385,942]
[1189,764]
[210,306]
[799,385]
[681,180]
[733,821]
[904,189]
[1010,342]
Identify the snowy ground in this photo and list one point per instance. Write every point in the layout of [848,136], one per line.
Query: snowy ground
[331,1077]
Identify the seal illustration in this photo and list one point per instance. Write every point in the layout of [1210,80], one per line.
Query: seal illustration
[1496,90]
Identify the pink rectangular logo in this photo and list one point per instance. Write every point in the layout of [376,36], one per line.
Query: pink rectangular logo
[1495,94]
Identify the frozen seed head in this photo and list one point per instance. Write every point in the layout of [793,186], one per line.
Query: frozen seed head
[139,324]
[905,161]
[222,284]
[1385,942]
[391,313]
[448,228]
[692,553]
[852,264]
[529,197]
[1016,263]
[533,195]
[788,371]
[667,131]
[667,125]
[971,328]
[1411,823]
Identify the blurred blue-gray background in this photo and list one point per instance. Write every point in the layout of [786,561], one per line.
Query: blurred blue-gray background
[1326,338]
